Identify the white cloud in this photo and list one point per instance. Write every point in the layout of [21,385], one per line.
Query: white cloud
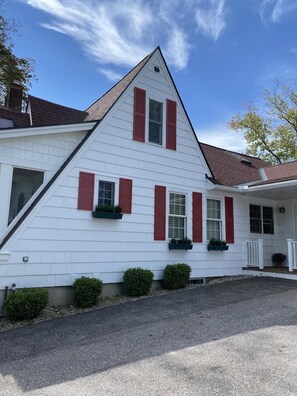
[276,10]
[122,32]
[110,74]
[220,136]
[210,17]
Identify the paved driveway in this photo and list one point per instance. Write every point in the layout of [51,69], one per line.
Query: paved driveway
[235,338]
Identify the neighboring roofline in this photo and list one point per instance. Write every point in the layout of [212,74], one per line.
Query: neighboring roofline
[185,111]
[235,152]
[271,185]
[67,161]
[45,130]
[54,103]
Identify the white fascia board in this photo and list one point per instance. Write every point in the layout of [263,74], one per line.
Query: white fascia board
[271,186]
[219,187]
[46,130]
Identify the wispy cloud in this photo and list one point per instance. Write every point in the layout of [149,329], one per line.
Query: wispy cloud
[110,74]
[210,17]
[122,32]
[220,136]
[276,10]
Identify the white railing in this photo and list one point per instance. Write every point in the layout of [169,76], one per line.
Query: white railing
[292,254]
[255,253]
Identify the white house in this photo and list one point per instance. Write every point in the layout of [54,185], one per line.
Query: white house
[135,147]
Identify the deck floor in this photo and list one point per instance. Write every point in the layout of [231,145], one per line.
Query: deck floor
[282,270]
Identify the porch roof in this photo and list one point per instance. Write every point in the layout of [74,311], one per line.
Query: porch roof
[274,189]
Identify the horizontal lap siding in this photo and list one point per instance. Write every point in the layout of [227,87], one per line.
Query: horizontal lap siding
[63,239]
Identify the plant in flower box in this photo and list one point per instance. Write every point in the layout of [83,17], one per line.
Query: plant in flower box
[108,212]
[180,244]
[217,244]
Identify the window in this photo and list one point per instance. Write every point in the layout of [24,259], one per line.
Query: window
[106,193]
[25,183]
[214,219]
[261,219]
[177,216]
[155,122]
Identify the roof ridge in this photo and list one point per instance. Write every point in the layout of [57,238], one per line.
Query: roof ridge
[145,60]
[283,163]
[231,151]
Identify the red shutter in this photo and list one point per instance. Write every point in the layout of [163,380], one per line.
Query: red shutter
[160,213]
[197,216]
[170,124]
[229,219]
[125,195]
[139,115]
[86,191]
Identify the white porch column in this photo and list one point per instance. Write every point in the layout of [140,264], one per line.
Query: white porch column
[290,254]
[5,188]
[260,253]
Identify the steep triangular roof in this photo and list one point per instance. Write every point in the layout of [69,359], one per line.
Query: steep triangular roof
[99,108]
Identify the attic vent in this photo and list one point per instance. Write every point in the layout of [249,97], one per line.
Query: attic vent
[246,162]
[157,69]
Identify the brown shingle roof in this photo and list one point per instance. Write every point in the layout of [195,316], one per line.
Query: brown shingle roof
[271,181]
[281,171]
[99,108]
[48,113]
[230,168]
[19,119]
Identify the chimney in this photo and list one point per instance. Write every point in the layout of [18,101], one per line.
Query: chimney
[14,97]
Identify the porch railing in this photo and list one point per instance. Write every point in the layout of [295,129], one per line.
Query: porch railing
[255,253]
[292,254]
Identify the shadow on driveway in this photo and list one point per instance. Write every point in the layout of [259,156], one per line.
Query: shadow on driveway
[73,347]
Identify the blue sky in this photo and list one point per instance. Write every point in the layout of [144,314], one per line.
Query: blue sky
[221,53]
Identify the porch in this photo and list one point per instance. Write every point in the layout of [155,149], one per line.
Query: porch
[255,261]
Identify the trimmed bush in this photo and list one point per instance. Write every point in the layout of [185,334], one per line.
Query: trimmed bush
[176,276]
[86,291]
[138,281]
[26,304]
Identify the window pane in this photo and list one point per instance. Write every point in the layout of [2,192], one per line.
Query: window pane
[155,121]
[177,204]
[213,209]
[177,227]
[213,229]
[268,220]
[25,183]
[255,219]
[106,193]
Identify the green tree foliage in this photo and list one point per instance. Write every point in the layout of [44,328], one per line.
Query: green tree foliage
[271,135]
[12,68]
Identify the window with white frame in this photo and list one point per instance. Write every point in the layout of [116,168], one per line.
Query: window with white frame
[155,122]
[177,216]
[261,219]
[214,219]
[106,193]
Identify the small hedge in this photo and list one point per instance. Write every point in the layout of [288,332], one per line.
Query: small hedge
[26,304]
[138,281]
[86,291]
[176,276]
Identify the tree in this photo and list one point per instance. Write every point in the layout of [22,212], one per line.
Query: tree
[271,135]
[12,68]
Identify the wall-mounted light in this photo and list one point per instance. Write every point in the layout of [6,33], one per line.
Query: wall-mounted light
[25,259]
[282,210]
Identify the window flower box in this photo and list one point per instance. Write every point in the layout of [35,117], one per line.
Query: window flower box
[105,215]
[217,247]
[217,244]
[107,212]
[180,244]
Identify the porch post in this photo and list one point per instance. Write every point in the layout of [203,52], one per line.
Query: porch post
[290,254]
[260,252]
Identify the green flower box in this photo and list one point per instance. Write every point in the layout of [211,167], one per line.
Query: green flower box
[106,215]
[180,246]
[217,247]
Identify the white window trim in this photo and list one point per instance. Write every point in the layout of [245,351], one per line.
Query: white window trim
[187,217]
[105,178]
[147,121]
[223,236]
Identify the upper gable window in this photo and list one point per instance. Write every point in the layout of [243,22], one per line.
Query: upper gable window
[106,193]
[155,122]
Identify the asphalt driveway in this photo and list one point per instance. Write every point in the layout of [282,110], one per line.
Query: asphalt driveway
[235,338]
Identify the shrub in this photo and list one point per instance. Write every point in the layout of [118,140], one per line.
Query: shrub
[138,281]
[86,291]
[176,276]
[278,258]
[26,304]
